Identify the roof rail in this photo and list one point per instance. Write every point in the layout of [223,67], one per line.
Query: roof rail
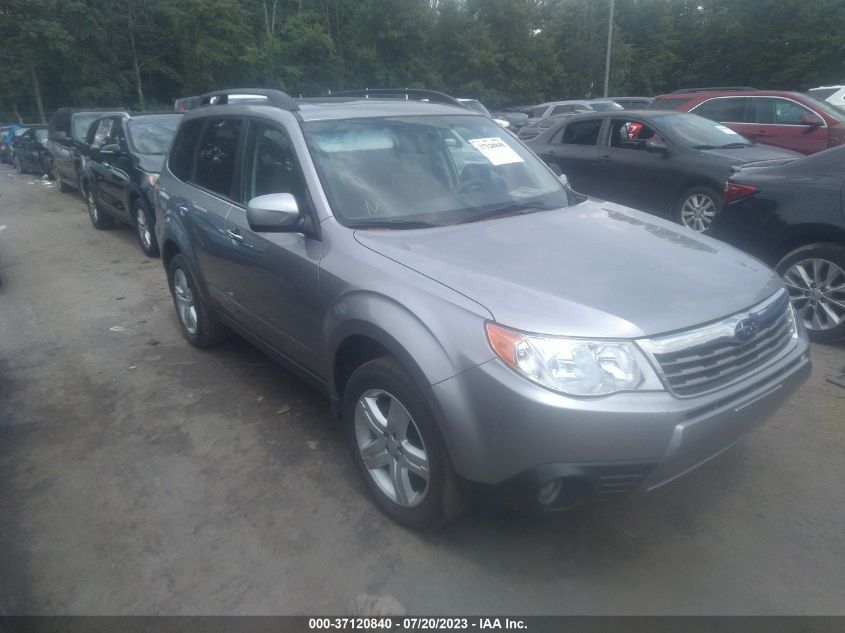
[406,93]
[275,98]
[714,89]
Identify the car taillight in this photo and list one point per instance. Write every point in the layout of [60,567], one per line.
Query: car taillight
[734,192]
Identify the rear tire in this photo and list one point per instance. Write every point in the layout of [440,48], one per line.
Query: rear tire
[395,456]
[145,229]
[199,326]
[698,207]
[815,278]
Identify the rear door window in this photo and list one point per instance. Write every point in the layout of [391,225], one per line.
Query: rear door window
[181,159]
[585,132]
[215,169]
[725,110]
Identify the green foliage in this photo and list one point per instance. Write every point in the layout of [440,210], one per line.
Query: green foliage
[505,52]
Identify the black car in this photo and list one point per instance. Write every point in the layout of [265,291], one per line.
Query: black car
[672,164]
[30,151]
[124,156]
[66,136]
[791,215]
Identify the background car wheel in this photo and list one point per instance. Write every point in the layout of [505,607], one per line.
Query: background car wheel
[698,207]
[196,321]
[58,178]
[815,279]
[397,447]
[144,229]
[18,166]
[100,220]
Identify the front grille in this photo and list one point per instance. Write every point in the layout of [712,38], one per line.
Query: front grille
[702,360]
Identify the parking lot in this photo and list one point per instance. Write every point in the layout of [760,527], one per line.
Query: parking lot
[140,475]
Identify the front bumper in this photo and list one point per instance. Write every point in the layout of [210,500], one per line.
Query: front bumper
[508,437]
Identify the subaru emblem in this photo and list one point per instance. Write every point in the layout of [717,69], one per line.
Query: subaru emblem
[746,329]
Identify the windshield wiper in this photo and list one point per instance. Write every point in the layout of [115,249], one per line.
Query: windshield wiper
[734,145]
[704,147]
[392,224]
[514,208]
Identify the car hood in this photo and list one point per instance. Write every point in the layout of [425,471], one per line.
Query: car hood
[757,152]
[595,269]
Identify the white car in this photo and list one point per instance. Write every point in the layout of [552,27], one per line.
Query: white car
[475,104]
[835,95]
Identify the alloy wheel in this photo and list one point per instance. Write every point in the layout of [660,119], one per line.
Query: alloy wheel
[184,301]
[143,228]
[698,211]
[391,447]
[817,290]
[92,205]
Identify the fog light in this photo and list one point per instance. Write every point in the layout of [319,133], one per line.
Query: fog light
[550,492]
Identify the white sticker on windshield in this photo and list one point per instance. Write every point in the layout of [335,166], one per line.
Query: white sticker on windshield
[726,129]
[496,150]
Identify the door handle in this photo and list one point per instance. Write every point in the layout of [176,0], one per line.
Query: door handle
[182,207]
[235,235]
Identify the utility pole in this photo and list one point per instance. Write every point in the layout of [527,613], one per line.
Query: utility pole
[609,40]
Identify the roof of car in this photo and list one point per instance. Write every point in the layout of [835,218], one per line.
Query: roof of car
[344,108]
[628,113]
[706,94]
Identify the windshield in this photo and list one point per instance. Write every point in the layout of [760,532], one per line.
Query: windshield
[20,130]
[822,93]
[409,172]
[604,106]
[475,104]
[691,130]
[152,135]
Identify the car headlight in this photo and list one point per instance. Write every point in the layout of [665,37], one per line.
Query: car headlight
[577,367]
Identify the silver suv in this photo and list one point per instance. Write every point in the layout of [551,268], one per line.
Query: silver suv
[482,330]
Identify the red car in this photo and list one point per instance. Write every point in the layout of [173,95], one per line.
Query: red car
[791,120]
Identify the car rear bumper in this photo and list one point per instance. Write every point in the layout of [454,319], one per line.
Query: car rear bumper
[508,437]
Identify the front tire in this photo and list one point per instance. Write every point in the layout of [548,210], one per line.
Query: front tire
[198,325]
[397,447]
[698,207]
[18,166]
[815,279]
[145,229]
[100,220]
[58,178]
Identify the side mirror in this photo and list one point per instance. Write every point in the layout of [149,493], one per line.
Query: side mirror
[275,212]
[811,119]
[555,169]
[656,147]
